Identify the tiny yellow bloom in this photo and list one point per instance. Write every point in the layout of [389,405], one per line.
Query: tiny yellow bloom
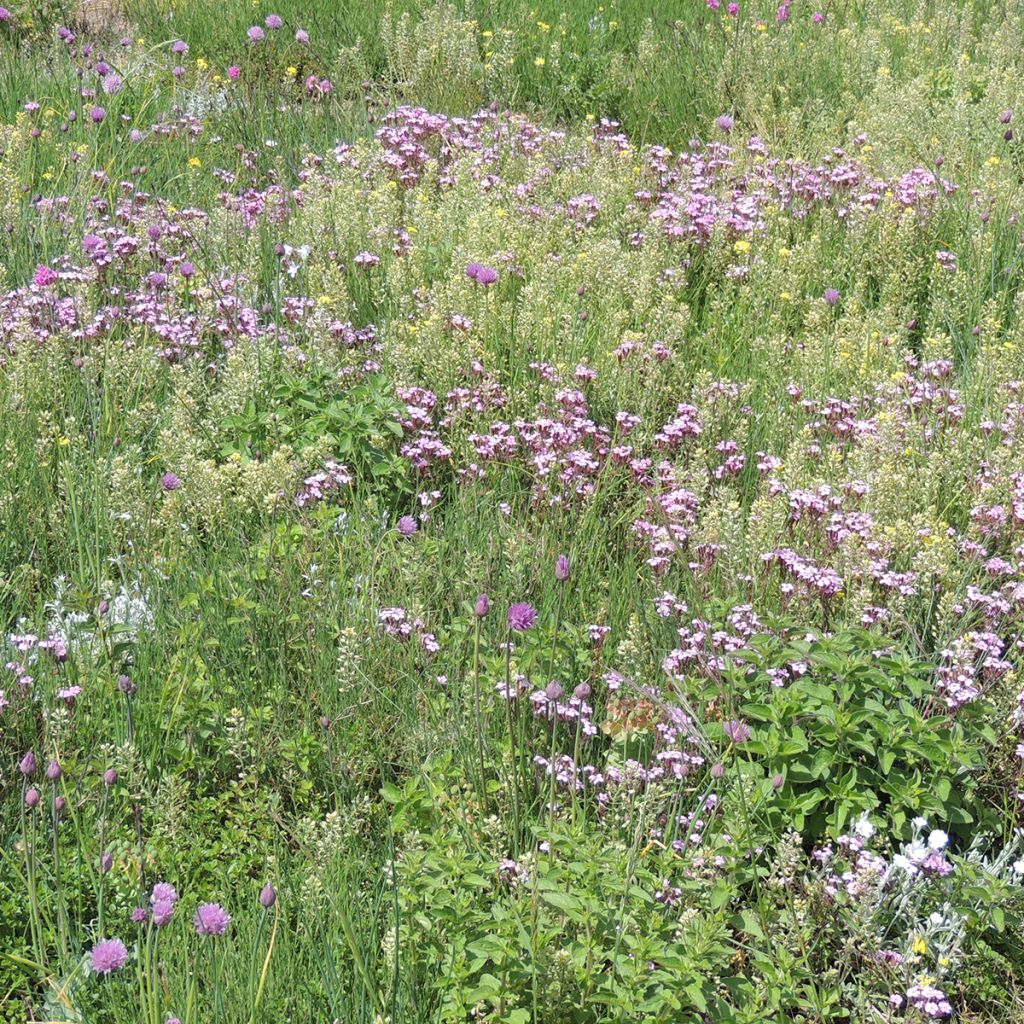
[201,64]
[785,296]
[741,246]
[195,162]
[920,946]
[292,71]
[487,33]
[539,62]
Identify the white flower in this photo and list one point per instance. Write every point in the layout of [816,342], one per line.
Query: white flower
[904,864]
[1018,867]
[863,827]
[920,823]
[935,918]
[937,839]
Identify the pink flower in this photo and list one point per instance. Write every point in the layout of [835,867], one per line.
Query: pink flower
[233,72]
[44,277]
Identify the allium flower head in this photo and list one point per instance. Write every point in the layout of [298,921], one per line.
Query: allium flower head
[180,47]
[256,34]
[486,276]
[724,122]
[163,911]
[170,482]
[522,616]
[112,84]
[482,606]
[831,296]
[27,765]
[302,37]
[5,15]
[97,115]
[562,569]
[32,798]
[44,277]
[163,892]
[212,919]
[737,731]
[53,771]
[268,896]
[233,72]
[140,915]
[407,526]
[108,955]
[273,21]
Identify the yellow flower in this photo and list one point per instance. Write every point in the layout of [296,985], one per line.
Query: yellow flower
[539,61]
[785,296]
[920,946]
[543,26]
[195,162]
[741,246]
[293,71]
[201,64]
[487,33]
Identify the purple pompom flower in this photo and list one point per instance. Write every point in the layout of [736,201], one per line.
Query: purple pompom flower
[256,34]
[522,616]
[108,955]
[562,570]
[170,482]
[268,896]
[407,526]
[273,21]
[212,919]
[482,606]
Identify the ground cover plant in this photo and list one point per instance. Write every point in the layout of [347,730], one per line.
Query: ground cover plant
[511,512]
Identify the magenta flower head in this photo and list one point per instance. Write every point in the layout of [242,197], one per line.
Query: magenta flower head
[818,17]
[486,276]
[180,47]
[724,122]
[32,798]
[44,277]
[212,919]
[163,892]
[273,21]
[106,862]
[717,770]
[97,115]
[472,270]
[170,482]
[407,526]
[53,771]
[140,915]
[256,34]
[831,296]
[302,37]
[482,606]
[1006,117]
[27,765]
[109,777]
[187,270]
[738,732]
[268,896]
[233,72]
[522,616]
[163,911]
[562,570]
[108,955]
[5,15]
[112,84]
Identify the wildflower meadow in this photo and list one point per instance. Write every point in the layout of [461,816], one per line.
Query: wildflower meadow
[511,512]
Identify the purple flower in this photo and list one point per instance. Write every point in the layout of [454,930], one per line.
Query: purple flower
[53,772]
[1006,117]
[256,34]
[27,765]
[108,955]
[831,296]
[170,482]
[5,15]
[562,570]
[482,606]
[738,732]
[32,798]
[112,84]
[268,896]
[163,892]
[273,21]
[302,37]
[472,269]
[522,616]
[106,862]
[163,911]
[212,919]
[140,915]
[97,114]
[110,776]
[187,270]
[407,526]
[486,276]
[179,46]
[724,122]
[44,277]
